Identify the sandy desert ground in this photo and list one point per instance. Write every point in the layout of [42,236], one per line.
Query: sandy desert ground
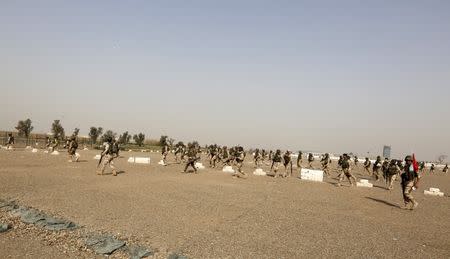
[212,215]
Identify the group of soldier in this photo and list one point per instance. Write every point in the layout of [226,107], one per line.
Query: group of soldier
[389,170]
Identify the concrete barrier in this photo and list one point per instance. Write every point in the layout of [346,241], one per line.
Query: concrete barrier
[141,160]
[199,166]
[35,150]
[311,175]
[260,172]
[55,153]
[364,183]
[228,169]
[97,157]
[434,192]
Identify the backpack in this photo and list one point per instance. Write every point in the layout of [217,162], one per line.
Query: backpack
[74,145]
[114,149]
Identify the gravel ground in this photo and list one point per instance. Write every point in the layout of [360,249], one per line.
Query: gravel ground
[212,215]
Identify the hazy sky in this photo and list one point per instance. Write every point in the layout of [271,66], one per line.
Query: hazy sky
[335,76]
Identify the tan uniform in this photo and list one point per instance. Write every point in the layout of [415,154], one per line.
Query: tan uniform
[107,159]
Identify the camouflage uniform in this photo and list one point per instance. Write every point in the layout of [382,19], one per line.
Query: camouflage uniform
[164,152]
[239,158]
[276,161]
[263,155]
[356,161]
[325,162]
[270,155]
[345,164]
[214,156]
[10,142]
[422,166]
[384,168]
[257,158]
[192,158]
[310,160]
[287,162]
[55,144]
[445,170]
[410,179]
[299,160]
[432,168]
[108,156]
[367,165]
[376,168]
[392,171]
[72,149]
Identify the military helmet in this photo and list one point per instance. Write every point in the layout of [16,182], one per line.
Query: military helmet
[408,158]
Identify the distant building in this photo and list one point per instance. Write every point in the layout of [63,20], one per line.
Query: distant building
[387,151]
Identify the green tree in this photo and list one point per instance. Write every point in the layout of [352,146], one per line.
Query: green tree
[125,138]
[76,131]
[24,127]
[95,133]
[58,130]
[139,139]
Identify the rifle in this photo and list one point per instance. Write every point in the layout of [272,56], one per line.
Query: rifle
[101,158]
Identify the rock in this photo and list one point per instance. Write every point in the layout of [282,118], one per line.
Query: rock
[4,227]
[177,256]
[104,244]
[137,252]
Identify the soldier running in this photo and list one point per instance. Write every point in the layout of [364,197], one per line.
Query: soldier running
[325,162]
[410,180]
[376,168]
[72,149]
[367,165]
[310,160]
[299,160]
[239,158]
[287,162]
[345,164]
[276,161]
[391,174]
[10,141]
[257,158]
[107,156]
[164,152]
[192,158]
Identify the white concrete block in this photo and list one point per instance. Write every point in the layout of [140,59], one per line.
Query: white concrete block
[199,166]
[55,153]
[228,169]
[367,185]
[161,162]
[438,194]
[311,175]
[28,147]
[364,181]
[142,160]
[10,148]
[259,171]
[35,150]
[85,149]
[434,190]
[97,157]
[46,151]
[131,159]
